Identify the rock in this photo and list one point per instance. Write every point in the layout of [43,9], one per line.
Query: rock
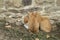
[44,2]
[36,38]
[19,15]
[6,23]
[10,20]
[47,36]
[26,2]
[58,2]
[13,10]
[19,23]
[8,26]
[2,10]
[9,14]
[13,3]
[53,9]
[1,3]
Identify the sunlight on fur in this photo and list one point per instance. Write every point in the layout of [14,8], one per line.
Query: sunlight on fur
[35,22]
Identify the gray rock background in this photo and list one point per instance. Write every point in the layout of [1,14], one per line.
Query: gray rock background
[12,11]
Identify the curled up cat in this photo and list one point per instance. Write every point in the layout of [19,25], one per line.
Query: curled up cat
[35,22]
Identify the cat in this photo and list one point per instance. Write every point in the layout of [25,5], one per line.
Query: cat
[36,21]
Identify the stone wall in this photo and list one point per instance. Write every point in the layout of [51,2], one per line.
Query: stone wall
[46,6]
[18,8]
[13,11]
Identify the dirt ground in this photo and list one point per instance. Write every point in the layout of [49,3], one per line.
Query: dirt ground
[13,32]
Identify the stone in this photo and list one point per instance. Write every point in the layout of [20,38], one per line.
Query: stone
[19,23]
[58,2]
[8,26]
[10,20]
[1,3]
[13,10]
[26,2]
[2,10]
[44,2]
[13,3]
[10,14]
[52,9]
[19,15]
[47,36]
[36,38]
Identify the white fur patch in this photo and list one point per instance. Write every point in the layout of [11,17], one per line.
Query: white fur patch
[26,26]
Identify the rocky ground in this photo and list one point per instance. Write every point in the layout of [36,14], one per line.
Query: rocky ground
[19,32]
[11,25]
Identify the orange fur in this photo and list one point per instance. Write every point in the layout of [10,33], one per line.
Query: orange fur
[26,19]
[33,22]
[36,21]
[45,24]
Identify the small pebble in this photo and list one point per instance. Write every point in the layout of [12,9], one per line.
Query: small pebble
[36,38]
[47,36]
[8,26]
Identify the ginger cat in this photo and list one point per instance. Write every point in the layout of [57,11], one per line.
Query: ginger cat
[45,24]
[36,21]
